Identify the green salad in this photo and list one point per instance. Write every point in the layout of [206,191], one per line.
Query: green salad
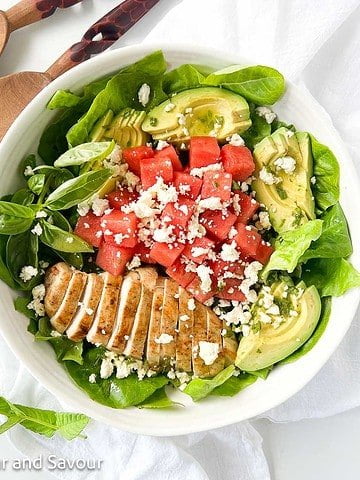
[173,232]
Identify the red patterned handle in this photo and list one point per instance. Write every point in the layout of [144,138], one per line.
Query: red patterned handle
[31,11]
[110,28]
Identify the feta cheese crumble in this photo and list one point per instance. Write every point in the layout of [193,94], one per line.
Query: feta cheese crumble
[236,140]
[208,352]
[267,177]
[229,253]
[37,230]
[28,172]
[204,273]
[27,273]
[164,339]
[144,94]
[266,113]
[36,304]
[161,145]
[287,164]
[99,205]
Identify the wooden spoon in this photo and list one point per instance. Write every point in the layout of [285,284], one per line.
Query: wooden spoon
[27,12]
[18,89]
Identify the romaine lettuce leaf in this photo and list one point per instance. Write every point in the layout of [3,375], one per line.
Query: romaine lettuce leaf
[258,84]
[158,399]
[234,385]
[181,78]
[200,388]
[331,276]
[326,170]
[290,247]
[258,131]
[63,99]
[122,91]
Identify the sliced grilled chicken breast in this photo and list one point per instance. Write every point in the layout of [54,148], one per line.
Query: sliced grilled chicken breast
[128,304]
[135,346]
[185,333]
[214,327]
[199,335]
[104,320]
[57,280]
[84,317]
[230,346]
[69,305]
[153,345]
[169,320]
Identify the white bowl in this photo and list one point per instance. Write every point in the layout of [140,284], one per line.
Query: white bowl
[297,107]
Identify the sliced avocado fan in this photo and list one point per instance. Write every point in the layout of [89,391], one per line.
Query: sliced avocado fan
[198,112]
[275,336]
[284,167]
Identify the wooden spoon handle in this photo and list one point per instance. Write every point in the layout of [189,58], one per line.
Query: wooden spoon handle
[109,29]
[30,11]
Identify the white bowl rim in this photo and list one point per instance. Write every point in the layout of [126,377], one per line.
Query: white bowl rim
[78,404]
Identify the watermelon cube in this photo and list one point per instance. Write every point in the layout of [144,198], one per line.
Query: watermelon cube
[204,151]
[238,161]
[217,184]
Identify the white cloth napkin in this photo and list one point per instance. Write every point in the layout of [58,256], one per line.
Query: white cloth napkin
[316,43]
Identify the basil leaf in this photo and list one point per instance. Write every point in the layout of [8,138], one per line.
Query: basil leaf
[21,251]
[36,183]
[200,388]
[77,190]
[84,153]
[54,176]
[15,210]
[74,259]
[5,274]
[62,240]
[234,385]
[15,218]
[21,306]
[56,218]
[63,99]
[259,84]
[43,422]
[23,197]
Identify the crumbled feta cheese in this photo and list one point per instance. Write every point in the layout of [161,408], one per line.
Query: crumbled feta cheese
[43,264]
[161,145]
[37,230]
[99,205]
[191,304]
[287,164]
[199,172]
[229,252]
[199,251]
[211,203]
[83,209]
[41,214]
[28,172]
[144,94]
[266,113]
[28,272]
[208,351]
[134,263]
[204,273]
[131,180]
[184,318]
[245,329]
[164,234]
[264,220]
[92,378]
[55,334]
[38,295]
[69,239]
[89,311]
[169,107]
[107,368]
[267,177]
[236,140]
[313,180]
[164,339]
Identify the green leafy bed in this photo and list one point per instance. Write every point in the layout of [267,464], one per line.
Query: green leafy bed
[316,252]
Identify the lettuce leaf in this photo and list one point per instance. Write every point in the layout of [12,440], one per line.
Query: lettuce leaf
[112,392]
[122,91]
[63,99]
[200,388]
[334,241]
[258,131]
[327,173]
[331,276]
[290,247]
[158,399]
[315,337]
[258,84]
[181,78]
[234,385]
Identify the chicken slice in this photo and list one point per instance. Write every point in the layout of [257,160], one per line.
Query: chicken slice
[65,313]
[185,333]
[135,346]
[199,335]
[128,304]
[57,280]
[230,346]
[169,320]
[84,317]
[153,345]
[104,320]
[214,327]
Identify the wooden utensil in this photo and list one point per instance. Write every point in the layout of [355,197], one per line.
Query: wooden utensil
[18,89]
[27,12]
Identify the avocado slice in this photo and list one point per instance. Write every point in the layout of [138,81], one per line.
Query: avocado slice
[124,128]
[198,112]
[290,200]
[267,344]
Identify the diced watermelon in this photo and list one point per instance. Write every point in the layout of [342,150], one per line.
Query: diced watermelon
[113,259]
[89,229]
[151,169]
[217,224]
[187,184]
[263,252]
[195,290]
[144,252]
[247,239]
[204,151]
[238,161]
[248,208]
[132,157]
[220,267]
[217,184]
[178,213]
[170,154]
[198,243]
[230,290]
[178,273]
[166,254]
[121,197]
[120,228]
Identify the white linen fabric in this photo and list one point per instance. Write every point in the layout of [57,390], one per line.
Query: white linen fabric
[313,42]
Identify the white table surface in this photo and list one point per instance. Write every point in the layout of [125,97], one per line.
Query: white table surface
[312,449]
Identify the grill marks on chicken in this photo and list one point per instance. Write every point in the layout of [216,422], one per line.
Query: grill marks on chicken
[141,315]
